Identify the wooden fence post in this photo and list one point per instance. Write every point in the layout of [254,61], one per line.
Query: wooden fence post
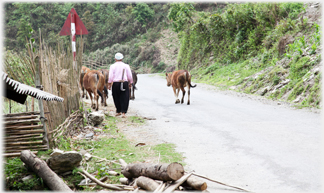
[40,101]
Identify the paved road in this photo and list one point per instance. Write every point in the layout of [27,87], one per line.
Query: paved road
[236,140]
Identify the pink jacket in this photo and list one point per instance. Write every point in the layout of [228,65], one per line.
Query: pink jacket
[116,72]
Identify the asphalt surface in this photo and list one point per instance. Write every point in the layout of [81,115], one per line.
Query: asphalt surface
[241,141]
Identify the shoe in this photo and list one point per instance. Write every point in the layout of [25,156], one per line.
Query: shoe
[117,114]
[123,116]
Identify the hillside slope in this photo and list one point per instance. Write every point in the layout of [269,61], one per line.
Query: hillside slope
[288,71]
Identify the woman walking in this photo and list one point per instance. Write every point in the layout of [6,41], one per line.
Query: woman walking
[120,80]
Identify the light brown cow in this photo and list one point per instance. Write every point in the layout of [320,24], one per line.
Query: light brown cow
[84,70]
[93,82]
[179,80]
[105,72]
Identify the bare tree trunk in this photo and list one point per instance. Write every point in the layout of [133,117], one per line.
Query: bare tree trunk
[42,170]
[164,172]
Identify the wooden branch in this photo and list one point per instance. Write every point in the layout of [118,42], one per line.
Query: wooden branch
[40,167]
[147,183]
[164,172]
[201,176]
[109,186]
[160,188]
[25,127]
[178,183]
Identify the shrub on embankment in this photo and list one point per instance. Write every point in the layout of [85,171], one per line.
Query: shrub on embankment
[269,49]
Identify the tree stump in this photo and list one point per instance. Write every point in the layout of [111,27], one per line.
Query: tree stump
[42,170]
[164,172]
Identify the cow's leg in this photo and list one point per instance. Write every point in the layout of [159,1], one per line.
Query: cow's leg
[96,96]
[183,93]
[188,103]
[133,92]
[90,99]
[176,94]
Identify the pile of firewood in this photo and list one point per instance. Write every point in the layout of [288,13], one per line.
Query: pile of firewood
[160,177]
[138,177]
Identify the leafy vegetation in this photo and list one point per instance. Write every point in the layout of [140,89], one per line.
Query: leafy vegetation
[234,48]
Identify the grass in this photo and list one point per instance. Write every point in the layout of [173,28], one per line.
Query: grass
[113,146]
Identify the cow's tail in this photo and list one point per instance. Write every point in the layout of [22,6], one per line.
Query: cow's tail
[97,82]
[100,94]
[189,80]
[134,87]
[106,91]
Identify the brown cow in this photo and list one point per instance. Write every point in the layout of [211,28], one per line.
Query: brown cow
[133,87]
[105,72]
[93,82]
[84,70]
[180,79]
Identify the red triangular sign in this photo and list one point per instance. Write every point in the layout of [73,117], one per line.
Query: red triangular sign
[79,26]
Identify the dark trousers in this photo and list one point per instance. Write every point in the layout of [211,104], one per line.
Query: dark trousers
[121,98]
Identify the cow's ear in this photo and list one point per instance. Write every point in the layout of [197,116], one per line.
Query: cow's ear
[166,74]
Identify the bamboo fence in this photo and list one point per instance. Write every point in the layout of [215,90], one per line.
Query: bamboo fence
[57,77]
[23,131]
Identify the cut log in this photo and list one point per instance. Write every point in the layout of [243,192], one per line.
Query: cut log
[196,183]
[40,167]
[124,181]
[25,127]
[164,172]
[147,183]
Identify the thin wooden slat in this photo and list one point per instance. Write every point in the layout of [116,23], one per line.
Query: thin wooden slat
[24,138]
[21,122]
[16,154]
[23,143]
[25,127]
[21,117]
[25,147]
[22,114]
[26,132]
[20,136]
